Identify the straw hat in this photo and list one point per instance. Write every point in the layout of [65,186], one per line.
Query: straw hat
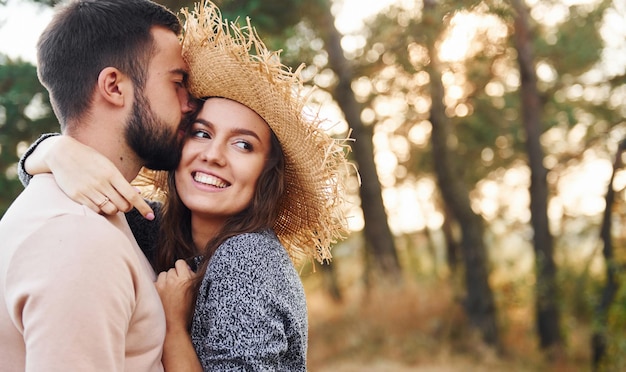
[229,61]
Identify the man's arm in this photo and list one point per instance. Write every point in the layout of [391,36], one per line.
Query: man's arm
[74,295]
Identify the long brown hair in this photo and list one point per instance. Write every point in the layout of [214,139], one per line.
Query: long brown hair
[176,241]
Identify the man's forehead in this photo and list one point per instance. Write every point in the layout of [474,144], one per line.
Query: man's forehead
[168,51]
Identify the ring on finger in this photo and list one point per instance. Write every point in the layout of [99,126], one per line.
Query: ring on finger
[106,200]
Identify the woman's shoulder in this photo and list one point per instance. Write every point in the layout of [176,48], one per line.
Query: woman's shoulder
[257,261]
[261,241]
[155,205]
[266,236]
[251,249]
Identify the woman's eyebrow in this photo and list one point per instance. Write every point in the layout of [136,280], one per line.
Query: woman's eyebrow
[241,131]
[246,132]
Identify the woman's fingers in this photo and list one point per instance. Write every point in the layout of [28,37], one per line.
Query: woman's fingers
[178,276]
[183,270]
[172,286]
[132,197]
[115,197]
[91,179]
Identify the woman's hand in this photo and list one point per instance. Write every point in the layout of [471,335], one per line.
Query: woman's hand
[173,287]
[86,176]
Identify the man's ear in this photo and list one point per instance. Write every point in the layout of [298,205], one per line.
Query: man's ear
[114,86]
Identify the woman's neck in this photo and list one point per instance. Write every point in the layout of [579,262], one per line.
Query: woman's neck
[203,230]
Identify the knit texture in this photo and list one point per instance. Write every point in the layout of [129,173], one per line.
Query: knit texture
[251,312]
[146,232]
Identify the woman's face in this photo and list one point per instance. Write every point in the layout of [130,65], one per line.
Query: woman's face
[222,160]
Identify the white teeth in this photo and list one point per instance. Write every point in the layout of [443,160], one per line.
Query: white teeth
[209,180]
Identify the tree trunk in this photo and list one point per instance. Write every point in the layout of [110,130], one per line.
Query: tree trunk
[598,339]
[479,302]
[452,245]
[379,240]
[546,306]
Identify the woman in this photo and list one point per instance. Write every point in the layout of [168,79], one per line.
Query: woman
[258,188]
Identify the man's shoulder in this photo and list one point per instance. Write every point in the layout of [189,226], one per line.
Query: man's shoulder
[43,199]
[43,216]
[73,237]
[61,232]
[33,215]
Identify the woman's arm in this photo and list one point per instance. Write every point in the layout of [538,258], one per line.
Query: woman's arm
[251,311]
[173,287]
[22,174]
[85,175]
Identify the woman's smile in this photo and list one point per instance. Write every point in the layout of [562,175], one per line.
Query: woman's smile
[210,180]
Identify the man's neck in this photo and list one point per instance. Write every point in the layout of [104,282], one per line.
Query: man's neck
[112,145]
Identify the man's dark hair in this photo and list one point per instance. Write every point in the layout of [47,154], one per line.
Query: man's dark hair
[85,36]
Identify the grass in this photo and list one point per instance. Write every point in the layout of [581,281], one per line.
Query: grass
[420,326]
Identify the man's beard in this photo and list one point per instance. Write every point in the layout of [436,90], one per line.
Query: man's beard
[151,138]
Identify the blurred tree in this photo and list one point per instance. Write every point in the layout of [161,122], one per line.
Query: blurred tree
[571,53]
[378,237]
[599,336]
[25,113]
[486,117]
[546,305]
[479,303]
[401,65]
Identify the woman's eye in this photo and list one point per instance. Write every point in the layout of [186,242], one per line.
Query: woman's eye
[244,145]
[200,134]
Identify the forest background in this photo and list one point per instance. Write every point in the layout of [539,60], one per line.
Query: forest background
[487,225]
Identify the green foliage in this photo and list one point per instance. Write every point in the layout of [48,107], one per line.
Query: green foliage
[25,113]
[283,25]
[565,51]
[616,339]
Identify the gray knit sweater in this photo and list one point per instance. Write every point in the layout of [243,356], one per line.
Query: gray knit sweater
[251,312]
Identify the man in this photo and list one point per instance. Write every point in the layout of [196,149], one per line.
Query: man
[76,293]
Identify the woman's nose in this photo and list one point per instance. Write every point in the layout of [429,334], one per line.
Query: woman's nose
[214,153]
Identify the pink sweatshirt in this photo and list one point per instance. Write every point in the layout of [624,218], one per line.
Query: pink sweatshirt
[76,292]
